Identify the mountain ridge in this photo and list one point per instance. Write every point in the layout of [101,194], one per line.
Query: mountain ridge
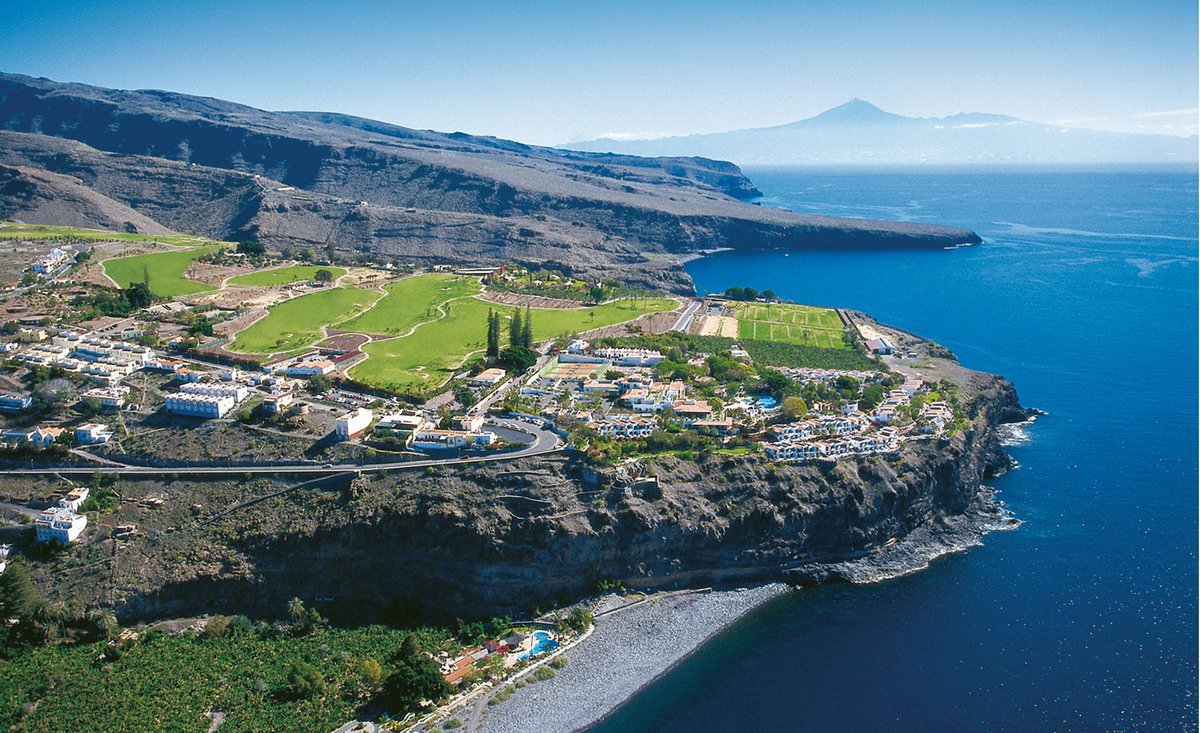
[322,181]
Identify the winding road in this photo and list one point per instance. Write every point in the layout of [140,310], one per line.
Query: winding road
[544,442]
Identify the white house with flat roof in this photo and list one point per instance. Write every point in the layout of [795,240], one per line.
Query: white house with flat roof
[195,405]
[92,433]
[74,498]
[59,524]
[352,424]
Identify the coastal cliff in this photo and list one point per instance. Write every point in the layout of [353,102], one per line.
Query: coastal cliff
[505,538]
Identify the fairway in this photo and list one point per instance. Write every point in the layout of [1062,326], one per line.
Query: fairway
[297,323]
[283,275]
[163,270]
[436,350]
[411,301]
[792,324]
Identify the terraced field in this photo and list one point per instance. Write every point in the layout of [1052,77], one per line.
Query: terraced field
[296,323]
[17,230]
[792,324]
[162,271]
[283,275]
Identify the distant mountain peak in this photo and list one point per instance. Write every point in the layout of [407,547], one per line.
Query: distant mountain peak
[856,111]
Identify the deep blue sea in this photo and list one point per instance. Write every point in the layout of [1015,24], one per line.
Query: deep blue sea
[1084,294]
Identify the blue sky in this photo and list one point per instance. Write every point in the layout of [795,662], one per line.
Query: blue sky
[558,71]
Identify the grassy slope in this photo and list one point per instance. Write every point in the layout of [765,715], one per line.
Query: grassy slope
[296,323]
[789,324]
[410,301]
[283,275]
[432,354]
[14,230]
[164,268]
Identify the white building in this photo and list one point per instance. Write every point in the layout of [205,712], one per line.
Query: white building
[59,525]
[626,428]
[74,498]
[195,405]
[630,357]
[487,377]
[4,552]
[110,398]
[310,368]
[51,261]
[14,402]
[278,402]
[236,392]
[92,434]
[352,424]
[431,438]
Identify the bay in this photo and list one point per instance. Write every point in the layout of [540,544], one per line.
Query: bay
[1084,294]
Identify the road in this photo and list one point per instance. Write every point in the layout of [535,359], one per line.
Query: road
[685,318]
[544,442]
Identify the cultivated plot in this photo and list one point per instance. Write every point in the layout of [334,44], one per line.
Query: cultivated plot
[793,324]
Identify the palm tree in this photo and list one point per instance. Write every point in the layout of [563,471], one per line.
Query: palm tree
[48,619]
[103,622]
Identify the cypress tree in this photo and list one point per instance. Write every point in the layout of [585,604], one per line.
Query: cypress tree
[527,329]
[514,328]
[493,335]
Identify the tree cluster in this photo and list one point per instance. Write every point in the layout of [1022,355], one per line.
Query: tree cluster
[749,294]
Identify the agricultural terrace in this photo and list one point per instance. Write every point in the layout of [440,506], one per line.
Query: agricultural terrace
[283,275]
[434,351]
[411,301]
[16,230]
[162,271]
[166,683]
[298,322]
[802,325]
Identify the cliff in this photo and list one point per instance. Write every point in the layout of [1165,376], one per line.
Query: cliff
[486,539]
[213,168]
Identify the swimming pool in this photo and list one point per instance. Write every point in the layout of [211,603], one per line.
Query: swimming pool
[767,402]
[542,643]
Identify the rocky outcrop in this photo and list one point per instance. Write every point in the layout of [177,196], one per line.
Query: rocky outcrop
[484,539]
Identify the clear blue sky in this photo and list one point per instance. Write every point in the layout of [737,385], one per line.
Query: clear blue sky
[557,71]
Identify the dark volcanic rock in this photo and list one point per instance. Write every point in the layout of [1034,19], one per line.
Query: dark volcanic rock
[483,539]
[219,169]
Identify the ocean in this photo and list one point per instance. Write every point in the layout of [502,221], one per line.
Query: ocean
[1084,294]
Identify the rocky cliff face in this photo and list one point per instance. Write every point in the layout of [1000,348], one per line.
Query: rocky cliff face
[214,168]
[476,540]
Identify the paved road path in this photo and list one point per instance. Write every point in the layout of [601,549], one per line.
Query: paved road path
[684,322]
[544,442]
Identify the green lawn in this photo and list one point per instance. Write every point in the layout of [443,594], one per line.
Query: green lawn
[434,351]
[283,275]
[14,230]
[791,324]
[164,270]
[411,301]
[297,323]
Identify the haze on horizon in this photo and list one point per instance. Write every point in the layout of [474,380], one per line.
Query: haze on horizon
[549,73]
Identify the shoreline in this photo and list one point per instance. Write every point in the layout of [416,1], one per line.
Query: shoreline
[635,642]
